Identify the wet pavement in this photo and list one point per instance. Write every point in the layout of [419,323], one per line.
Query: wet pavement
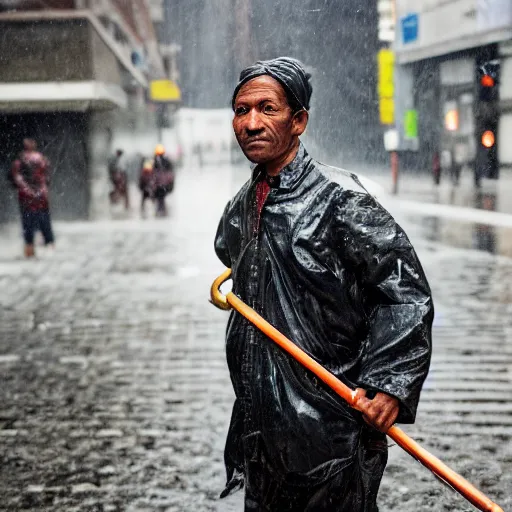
[493,195]
[457,215]
[115,394]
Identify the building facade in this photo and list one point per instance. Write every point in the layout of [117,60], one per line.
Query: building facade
[458,56]
[74,76]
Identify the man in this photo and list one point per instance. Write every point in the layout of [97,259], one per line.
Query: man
[29,174]
[119,180]
[164,179]
[323,262]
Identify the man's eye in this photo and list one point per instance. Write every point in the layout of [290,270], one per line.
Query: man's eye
[269,108]
[240,110]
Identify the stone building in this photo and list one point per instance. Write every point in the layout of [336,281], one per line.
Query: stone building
[74,75]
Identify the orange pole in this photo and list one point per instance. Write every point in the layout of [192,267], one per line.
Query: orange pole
[457,482]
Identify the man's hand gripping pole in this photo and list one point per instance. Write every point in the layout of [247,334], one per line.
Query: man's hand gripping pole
[457,482]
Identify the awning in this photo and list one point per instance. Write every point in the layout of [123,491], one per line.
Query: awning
[60,96]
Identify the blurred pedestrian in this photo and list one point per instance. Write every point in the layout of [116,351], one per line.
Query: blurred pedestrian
[146,183]
[315,254]
[30,175]
[164,179]
[119,179]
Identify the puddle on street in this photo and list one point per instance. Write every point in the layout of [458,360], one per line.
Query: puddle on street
[467,235]
[482,237]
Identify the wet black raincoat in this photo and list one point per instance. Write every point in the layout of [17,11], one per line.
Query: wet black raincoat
[332,270]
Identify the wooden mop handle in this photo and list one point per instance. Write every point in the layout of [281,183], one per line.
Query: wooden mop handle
[460,484]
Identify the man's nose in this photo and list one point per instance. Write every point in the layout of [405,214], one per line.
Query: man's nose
[253,122]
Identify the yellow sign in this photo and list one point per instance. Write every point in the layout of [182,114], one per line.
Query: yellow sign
[387,110]
[164,91]
[385,86]
[386,90]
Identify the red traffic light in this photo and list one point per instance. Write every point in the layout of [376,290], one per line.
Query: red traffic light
[487,81]
[488,139]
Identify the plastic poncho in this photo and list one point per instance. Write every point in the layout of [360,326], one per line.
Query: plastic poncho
[330,268]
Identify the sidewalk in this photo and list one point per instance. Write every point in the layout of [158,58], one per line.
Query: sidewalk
[462,216]
[494,195]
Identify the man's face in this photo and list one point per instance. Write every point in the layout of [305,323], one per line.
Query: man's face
[264,124]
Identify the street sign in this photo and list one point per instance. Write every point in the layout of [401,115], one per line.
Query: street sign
[411,124]
[387,110]
[386,10]
[164,91]
[409,26]
[391,140]
[385,86]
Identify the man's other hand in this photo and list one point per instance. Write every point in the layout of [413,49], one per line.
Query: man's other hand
[380,412]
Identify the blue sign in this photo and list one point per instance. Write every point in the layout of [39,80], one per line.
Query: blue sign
[409,28]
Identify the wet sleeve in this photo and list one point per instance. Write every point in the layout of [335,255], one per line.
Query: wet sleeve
[398,302]
[221,246]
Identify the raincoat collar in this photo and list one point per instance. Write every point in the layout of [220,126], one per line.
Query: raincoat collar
[290,176]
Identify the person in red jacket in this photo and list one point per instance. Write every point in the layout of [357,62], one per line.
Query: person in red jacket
[29,174]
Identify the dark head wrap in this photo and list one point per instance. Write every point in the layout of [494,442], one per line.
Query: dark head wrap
[290,73]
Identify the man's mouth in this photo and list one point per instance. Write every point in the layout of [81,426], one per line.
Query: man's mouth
[253,142]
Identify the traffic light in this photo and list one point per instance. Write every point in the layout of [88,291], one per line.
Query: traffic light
[487,165]
[486,120]
[488,139]
[488,80]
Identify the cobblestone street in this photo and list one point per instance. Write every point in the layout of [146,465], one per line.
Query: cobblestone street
[115,394]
